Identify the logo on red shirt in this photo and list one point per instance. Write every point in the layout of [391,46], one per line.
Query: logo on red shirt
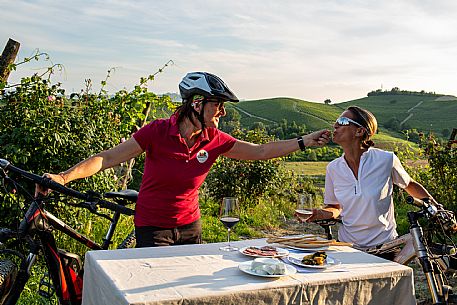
[202,156]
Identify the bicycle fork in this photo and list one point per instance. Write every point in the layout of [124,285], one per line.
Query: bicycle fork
[22,277]
[435,287]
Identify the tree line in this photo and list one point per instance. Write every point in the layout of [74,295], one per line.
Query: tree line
[397,91]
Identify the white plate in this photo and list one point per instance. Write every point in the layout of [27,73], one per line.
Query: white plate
[329,262]
[281,252]
[246,268]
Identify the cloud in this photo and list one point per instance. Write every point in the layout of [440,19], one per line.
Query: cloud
[306,49]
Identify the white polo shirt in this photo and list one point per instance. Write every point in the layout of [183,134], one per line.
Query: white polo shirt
[367,205]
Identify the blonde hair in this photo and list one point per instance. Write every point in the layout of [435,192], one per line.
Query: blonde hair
[368,121]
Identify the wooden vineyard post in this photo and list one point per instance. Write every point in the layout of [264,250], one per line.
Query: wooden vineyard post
[8,57]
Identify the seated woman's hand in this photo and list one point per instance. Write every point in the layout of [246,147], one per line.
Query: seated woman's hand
[305,215]
[314,215]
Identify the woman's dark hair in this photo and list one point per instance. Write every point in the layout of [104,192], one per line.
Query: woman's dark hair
[368,121]
[185,110]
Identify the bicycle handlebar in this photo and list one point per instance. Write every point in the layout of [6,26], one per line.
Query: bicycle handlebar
[445,217]
[49,183]
[415,201]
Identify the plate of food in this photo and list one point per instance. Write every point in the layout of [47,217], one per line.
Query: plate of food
[267,267]
[317,260]
[265,251]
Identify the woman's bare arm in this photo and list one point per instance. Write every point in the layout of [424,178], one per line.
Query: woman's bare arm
[249,151]
[92,165]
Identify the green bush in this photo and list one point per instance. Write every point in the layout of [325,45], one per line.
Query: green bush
[326,153]
[266,190]
[441,177]
[240,178]
[434,167]
[44,130]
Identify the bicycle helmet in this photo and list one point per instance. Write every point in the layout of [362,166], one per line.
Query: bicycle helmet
[206,84]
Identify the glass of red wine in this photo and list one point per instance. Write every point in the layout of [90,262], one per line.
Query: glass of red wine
[229,216]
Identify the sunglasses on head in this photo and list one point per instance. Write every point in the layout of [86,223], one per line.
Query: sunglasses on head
[344,121]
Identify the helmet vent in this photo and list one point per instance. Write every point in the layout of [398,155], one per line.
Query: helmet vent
[215,84]
[205,84]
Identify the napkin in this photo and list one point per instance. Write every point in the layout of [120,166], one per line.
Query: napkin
[268,266]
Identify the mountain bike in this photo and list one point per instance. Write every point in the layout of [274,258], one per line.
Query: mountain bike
[21,246]
[429,241]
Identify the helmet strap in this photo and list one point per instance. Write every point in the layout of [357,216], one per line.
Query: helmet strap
[200,115]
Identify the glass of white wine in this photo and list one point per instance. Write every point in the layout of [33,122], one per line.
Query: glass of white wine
[304,208]
[229,216]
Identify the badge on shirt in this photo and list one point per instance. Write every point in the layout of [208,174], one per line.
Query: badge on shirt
[202,156]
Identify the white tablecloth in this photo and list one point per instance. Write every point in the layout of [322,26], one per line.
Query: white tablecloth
[202,274]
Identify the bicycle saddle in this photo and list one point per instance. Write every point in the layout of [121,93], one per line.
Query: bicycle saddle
[130,195]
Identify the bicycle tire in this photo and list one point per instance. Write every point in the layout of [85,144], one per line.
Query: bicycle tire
[8,272]
[129,241]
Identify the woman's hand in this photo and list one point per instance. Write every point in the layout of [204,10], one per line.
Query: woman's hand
[317,214]
[305,215]
[39,189]
[317,138]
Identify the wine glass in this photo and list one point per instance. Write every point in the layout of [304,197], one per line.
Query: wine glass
[304,208]
[229,216]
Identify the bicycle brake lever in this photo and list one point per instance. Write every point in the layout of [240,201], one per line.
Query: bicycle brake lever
[103,215]
[91,206]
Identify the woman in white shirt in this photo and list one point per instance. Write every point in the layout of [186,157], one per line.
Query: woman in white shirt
[359,184]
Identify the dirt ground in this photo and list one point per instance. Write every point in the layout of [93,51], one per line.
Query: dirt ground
[292,227]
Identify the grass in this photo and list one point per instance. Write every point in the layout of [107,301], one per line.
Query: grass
[257,216]
[307,168]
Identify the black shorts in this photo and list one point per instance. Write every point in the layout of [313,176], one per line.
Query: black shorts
[155,237]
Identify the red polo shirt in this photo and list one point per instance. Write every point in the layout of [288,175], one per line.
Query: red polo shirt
[173,172]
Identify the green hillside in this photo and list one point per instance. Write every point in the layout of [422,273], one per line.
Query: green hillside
[269,111]
[318,116]
[415,111]
[421,112]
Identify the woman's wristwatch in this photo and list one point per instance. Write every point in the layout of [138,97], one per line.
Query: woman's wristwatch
[301,144]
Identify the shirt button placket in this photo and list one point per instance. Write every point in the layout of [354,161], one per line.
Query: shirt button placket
[188,156]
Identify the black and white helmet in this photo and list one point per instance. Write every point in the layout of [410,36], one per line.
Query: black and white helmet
[206,84]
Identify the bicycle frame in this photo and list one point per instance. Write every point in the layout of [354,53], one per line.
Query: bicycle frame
[415,244]
[407,252]
[36,229]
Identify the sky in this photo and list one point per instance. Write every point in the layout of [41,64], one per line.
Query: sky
[312,50]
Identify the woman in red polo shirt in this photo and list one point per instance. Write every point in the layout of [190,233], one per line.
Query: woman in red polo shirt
[179,153]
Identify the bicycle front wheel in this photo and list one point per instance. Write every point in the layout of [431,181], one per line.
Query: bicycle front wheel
[8,272]
[129,241]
